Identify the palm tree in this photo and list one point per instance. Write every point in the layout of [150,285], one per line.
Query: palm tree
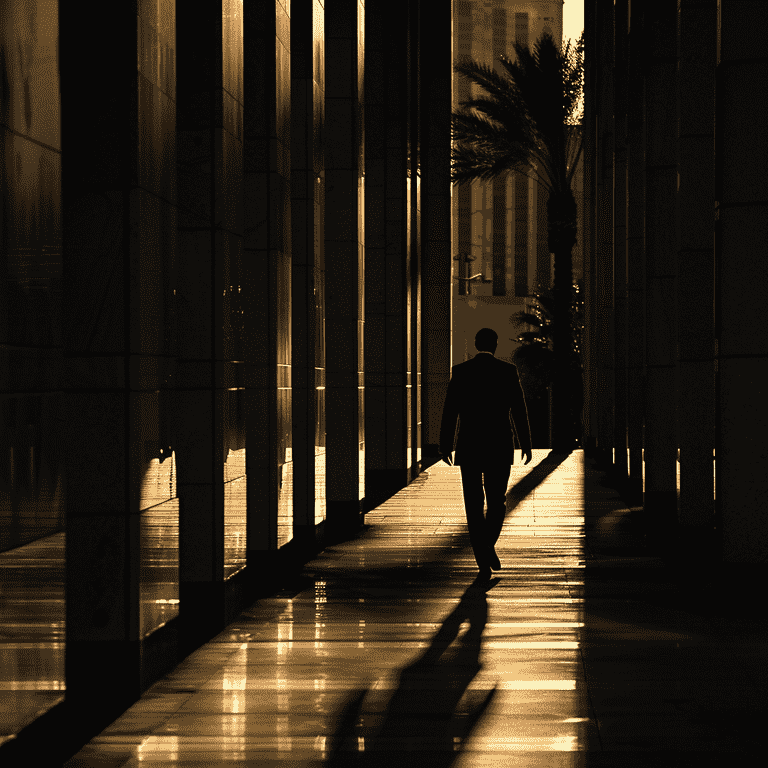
[534,357]
[529,123]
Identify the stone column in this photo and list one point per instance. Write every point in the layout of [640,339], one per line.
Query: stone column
[391,241]
[635,253]
[588,247]
[267,282]
[308,276]
[435,70]
[660,493]
[345,263]
[210,126]
[119,228]
[697,45]
[604,290]
[416,113]
[741,276]
[620,458]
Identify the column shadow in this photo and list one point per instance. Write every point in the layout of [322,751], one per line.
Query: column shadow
[422,720]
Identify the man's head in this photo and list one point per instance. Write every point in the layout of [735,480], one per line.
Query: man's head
[486,340]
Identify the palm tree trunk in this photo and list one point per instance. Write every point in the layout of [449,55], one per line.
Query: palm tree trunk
[561,230]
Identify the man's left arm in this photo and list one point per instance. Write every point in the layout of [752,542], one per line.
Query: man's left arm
[520,413]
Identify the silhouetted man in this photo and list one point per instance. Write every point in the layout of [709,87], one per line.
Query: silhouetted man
[485,397]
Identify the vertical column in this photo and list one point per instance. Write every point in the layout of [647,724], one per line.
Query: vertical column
[210,457]
[741,274]
[414,172]
[435,71]
[620,241]
[307,276]
[588,247]
[462,192]
[697,45]
[635,251]
[660,493]
[267,280]
[119,227]
[388,251]
[345,261]
[604,233]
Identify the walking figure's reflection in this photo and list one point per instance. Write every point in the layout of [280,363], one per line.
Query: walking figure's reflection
[421,722]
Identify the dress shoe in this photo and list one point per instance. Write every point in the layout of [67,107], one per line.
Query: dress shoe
[494,560]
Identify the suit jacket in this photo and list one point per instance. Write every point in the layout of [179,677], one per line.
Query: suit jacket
[486,399]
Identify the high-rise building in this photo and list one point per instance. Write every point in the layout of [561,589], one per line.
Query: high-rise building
[501,225]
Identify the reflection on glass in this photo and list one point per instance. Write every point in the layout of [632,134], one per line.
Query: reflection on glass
[159,568]
[320,455]
[285,501]
[235,484]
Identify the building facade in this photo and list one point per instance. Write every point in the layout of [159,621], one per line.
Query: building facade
[675,215]
[502,224]
[225,311]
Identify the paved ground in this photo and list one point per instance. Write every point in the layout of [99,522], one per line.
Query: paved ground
[385,651]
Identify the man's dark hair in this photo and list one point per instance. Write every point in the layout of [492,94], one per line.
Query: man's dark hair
[486,340]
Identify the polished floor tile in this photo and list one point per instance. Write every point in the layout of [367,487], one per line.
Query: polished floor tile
[384,651]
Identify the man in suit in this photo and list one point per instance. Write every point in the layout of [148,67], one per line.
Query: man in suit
[486,399]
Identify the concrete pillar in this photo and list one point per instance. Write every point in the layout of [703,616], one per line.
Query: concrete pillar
[345,263]
[591,71]
[415,188]
[435,70]
[604,290]
[119,229]
[308,270]
[660,493]
[635,252]
[211,461]
[741,274]
[388,249]
[620,241]
[697,46]
[267,281]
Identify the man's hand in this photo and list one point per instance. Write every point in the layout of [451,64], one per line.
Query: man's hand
[527,455]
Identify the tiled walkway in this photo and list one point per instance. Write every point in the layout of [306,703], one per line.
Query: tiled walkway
[384,652]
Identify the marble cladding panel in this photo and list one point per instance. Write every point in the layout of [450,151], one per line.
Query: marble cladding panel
[31,293]
[29,39]
[741,278]
[97,548]
[25,369]
[194,297]
[95,232]
[155,158]
[232,56]
[157,44]
[194,153]
[228,206]
[151,258]
[226,293]
[159,565]
[31,469]
[92,422]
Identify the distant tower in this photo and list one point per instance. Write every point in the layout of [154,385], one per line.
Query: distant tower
[502,223]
